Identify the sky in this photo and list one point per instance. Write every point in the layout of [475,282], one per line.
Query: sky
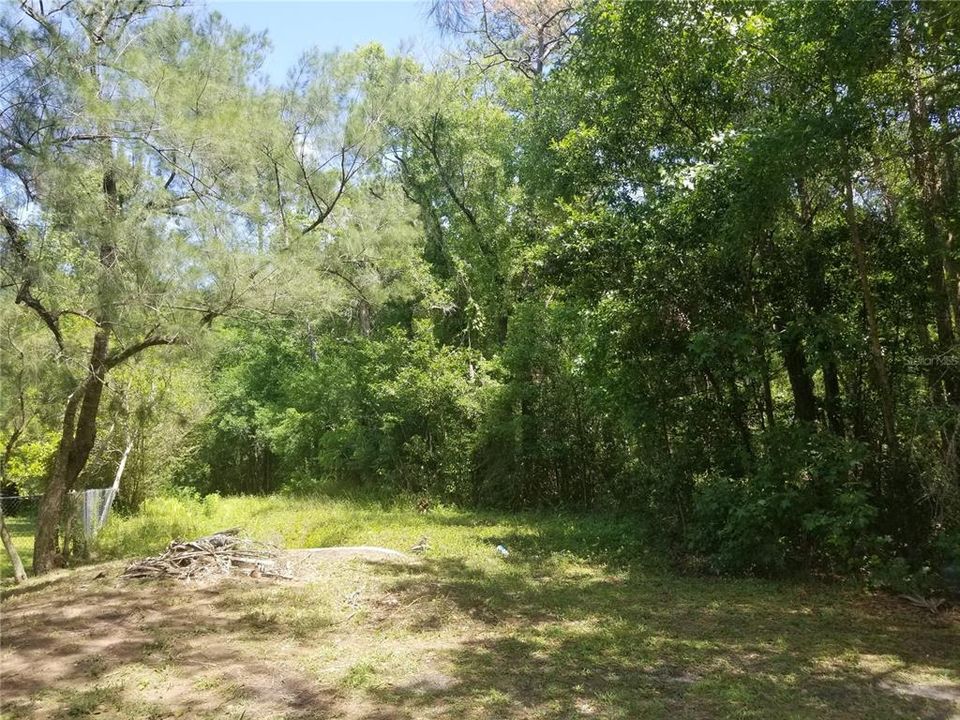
[297,25]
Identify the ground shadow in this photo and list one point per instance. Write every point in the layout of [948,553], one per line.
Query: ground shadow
[76,658]
[641,644]
[541,634]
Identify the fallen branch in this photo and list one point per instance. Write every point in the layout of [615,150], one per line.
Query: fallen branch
[223,553]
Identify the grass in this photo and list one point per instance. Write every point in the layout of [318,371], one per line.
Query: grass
[583,619]
[322,522]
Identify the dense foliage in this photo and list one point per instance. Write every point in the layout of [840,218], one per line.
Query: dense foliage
[700,260]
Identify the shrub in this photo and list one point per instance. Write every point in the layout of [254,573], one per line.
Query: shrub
[804,506]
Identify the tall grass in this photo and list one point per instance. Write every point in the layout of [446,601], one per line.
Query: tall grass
[322,521]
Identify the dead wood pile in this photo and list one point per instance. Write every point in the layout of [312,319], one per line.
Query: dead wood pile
[224,553]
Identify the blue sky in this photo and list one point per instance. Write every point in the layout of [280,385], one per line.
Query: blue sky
[297,25]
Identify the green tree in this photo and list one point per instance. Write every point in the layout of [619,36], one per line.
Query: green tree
[117,220]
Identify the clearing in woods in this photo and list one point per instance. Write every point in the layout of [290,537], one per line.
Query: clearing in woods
[575,623]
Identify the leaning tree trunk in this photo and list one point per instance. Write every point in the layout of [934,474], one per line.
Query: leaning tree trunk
[19,574]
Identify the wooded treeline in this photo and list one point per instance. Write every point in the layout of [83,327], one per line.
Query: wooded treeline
[695,260]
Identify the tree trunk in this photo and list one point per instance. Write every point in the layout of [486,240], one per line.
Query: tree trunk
[951,211]
[818,293]
[933,209]
[733,408]
[79,429]
[115,488]
[881,379]
[77,437]
[761,351]
[766,390]
[363,312]
[831,397]
[19,574]
[795,362]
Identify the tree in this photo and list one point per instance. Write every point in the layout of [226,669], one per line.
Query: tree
[698,259]
[528,36]
[743,188]
[124,194]
[341,229]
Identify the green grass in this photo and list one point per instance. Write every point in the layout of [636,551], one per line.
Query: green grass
[322,522]
[583,619]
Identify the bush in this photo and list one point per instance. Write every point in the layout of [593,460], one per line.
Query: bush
[399,411]
[804,507]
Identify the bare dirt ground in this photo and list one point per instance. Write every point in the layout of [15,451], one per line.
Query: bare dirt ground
[78,645]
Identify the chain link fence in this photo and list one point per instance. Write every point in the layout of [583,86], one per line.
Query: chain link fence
[19,505]
[89,508]
[93,507]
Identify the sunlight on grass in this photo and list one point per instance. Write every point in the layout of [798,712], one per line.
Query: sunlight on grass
[323,522]
[361,675]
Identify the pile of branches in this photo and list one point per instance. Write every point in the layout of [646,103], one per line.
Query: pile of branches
[224,553]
